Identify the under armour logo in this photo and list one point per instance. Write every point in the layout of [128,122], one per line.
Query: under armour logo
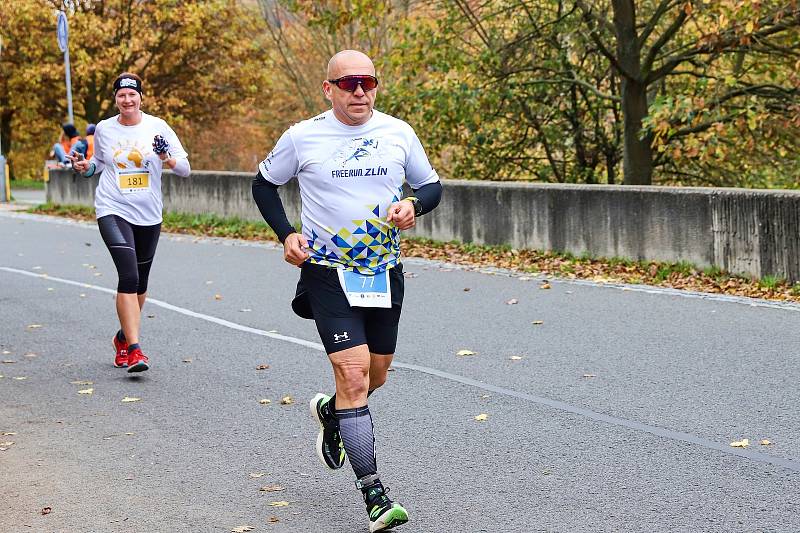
[341,338]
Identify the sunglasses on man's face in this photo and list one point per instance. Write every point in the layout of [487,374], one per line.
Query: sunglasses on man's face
[349,83]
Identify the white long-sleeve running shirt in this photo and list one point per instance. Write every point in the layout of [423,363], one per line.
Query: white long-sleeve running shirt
[130,179]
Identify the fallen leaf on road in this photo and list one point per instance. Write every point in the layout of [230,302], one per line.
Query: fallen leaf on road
[744,443]
[82,382]
[765,442]
[86,391]
[482,417]
[515,358]
[265,401]
[272,488]
[128,399]
[287,400]
[34,326]
[274,519]
[256,474]
[218,297]
[537,322]
[544,285]
[46,510]
[242,529]
[279,504]
[8,433]
[512,301]
[464,353]
[467,289]
[262,367]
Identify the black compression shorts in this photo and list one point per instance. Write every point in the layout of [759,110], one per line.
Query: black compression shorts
[132,248]
[320,296]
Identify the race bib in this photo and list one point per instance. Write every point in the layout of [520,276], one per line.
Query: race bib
[364,290]
[133,180]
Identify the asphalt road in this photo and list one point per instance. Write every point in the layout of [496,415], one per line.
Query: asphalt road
[616,413]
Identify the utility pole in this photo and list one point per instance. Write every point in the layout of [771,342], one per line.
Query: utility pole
[5,186]
[62,32]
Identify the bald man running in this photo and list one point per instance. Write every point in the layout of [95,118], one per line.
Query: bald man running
[350,163]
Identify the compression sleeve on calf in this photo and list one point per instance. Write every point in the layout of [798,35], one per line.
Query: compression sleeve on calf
[265,193]
[429,196]
[182,167]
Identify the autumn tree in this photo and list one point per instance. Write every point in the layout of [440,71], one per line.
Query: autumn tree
[304,34]
[715,50]
[201,62]
[564,91]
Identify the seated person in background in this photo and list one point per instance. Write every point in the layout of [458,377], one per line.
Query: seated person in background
[70,141]
[89,140]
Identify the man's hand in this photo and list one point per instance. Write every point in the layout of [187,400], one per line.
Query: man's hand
[402,214]
[294,249]
[79,162]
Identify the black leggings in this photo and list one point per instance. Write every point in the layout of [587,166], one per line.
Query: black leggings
[132,247]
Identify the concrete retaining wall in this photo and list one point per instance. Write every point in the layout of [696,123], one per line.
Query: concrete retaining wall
[755,232]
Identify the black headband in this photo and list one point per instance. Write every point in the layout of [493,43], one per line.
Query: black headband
[127,82]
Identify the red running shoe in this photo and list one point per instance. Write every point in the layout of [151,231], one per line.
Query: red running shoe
[121,359]
[137,361]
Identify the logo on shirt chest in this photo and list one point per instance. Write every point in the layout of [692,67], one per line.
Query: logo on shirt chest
[354,152]
[359,172]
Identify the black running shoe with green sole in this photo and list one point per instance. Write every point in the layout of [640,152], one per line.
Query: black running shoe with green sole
[330,448]
[383,512]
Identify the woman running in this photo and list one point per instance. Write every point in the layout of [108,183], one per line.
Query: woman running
[131,150]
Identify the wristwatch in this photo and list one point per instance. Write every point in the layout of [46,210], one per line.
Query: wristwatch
[416,203]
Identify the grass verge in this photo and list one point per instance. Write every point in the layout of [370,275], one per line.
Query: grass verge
[27,184]
[680,275]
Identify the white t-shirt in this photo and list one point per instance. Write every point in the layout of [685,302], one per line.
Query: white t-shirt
[130,179]
[348,177]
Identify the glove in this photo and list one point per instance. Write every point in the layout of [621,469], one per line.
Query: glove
[160,145]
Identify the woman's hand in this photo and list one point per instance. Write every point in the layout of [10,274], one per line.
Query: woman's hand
[161,147]
[79,162]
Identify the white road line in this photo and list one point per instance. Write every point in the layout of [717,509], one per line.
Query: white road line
[181,310]
[555,404]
